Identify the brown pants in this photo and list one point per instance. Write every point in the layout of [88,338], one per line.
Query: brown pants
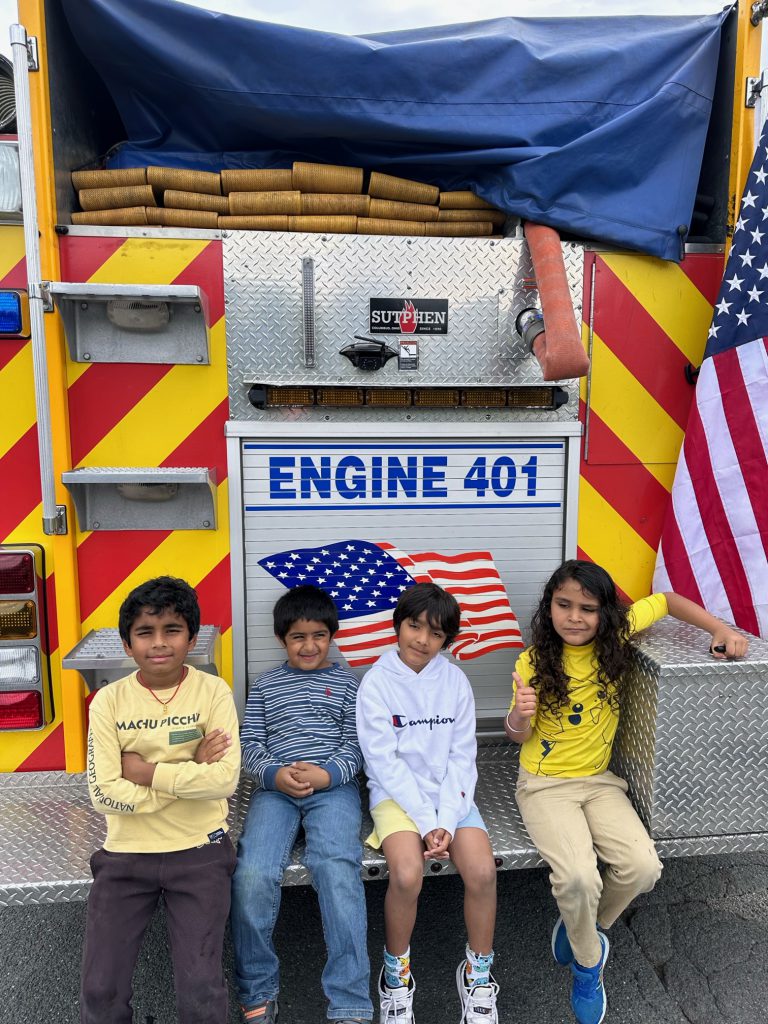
[573,822]
[195,885]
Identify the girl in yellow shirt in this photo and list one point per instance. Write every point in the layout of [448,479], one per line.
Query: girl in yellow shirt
[564,713]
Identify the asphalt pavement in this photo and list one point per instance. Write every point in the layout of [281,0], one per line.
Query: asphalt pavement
[695,951]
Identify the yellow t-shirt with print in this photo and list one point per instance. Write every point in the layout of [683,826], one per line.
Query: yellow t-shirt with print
[576,739]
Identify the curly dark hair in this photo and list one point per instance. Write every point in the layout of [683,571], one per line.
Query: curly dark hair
[615,649]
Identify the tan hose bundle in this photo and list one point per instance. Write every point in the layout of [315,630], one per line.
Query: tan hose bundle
[326,178]
[330,204]
[126,217]
[463,200]
[325,225]
[259,203]
[184,180]
[276,222]
[182,218]
[376,226]
[459,229]
[175,200]
[491,216]
[390,209]
[117,198]
[387,186]
[257,180]
[118,178]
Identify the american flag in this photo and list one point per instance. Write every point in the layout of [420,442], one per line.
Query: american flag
[714,545]
[366,578]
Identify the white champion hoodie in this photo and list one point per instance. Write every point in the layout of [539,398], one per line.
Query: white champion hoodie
[417,734]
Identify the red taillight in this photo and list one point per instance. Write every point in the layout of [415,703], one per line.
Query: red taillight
[21,709]
[17,573]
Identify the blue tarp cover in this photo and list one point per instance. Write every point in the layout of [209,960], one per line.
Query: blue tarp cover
[592,125]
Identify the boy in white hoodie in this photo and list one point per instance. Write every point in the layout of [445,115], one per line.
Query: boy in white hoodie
[416,726]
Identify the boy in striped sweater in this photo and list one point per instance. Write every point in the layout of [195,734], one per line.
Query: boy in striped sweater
[299,744]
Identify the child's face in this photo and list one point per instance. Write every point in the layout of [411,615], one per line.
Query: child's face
[575,614]
[306,645]
[419,642]
[159,644]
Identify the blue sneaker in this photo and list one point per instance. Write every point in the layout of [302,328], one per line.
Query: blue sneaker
[588,1000]
[561,944]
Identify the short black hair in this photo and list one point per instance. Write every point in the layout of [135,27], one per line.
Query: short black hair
[442,609]
[156,596]
[305,602]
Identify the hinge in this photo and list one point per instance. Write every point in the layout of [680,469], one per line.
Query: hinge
[33,63]
[754,88]
[57,526]
[41,291]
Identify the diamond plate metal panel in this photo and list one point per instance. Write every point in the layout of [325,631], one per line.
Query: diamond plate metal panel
[487,283]
[692,742]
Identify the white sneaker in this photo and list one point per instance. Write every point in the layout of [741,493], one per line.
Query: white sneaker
[478,1003]
[396,1003]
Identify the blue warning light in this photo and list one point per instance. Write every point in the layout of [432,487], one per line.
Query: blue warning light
[10,313]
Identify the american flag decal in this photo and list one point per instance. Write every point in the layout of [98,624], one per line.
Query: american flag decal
[366,578]
[714,546]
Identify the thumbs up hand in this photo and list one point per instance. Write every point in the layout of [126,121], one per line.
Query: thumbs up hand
[519,720]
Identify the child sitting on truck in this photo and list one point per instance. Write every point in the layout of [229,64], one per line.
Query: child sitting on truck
[568,690]
[416,723]
[300,745]
[163,757]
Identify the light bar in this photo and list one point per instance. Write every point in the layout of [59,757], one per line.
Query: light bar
[268,396]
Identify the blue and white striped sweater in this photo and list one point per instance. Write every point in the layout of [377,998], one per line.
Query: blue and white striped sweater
[293,715]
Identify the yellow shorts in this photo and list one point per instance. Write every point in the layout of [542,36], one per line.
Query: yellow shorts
[389,817]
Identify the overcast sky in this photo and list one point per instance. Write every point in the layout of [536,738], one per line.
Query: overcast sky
[351,16]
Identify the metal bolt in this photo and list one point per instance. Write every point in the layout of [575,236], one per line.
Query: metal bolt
[86,356]
[83,305]
[96,525]
[197,307]
[206,523]
[199,359]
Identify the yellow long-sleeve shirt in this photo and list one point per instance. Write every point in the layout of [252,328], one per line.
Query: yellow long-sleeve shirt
[186,804]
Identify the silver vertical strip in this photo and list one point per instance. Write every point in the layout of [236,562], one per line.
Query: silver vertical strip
[308,308]
[571,484]
[52,520]
[237,573]
[590,347]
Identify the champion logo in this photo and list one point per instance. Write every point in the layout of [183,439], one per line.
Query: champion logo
[400,721]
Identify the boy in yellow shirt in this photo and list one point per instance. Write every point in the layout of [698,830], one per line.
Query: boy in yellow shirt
[163,756]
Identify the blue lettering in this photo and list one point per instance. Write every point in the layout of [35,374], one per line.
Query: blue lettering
[434,475]
[281,472]
[376,476]
[354,486]
[408,477]
[311,475]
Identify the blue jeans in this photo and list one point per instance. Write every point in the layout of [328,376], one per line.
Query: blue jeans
[331,819]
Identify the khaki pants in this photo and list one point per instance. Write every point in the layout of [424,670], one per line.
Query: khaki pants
[573,822]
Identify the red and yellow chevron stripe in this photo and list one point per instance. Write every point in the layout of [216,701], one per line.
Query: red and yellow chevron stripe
[126,415]
[650,320]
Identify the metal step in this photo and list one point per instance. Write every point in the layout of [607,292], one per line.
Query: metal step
[48,830]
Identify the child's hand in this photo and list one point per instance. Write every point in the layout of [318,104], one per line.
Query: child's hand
[437,842]
[735,645]
[519,718]
[317,777]
[213,746]
[287,782]
[136,769]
